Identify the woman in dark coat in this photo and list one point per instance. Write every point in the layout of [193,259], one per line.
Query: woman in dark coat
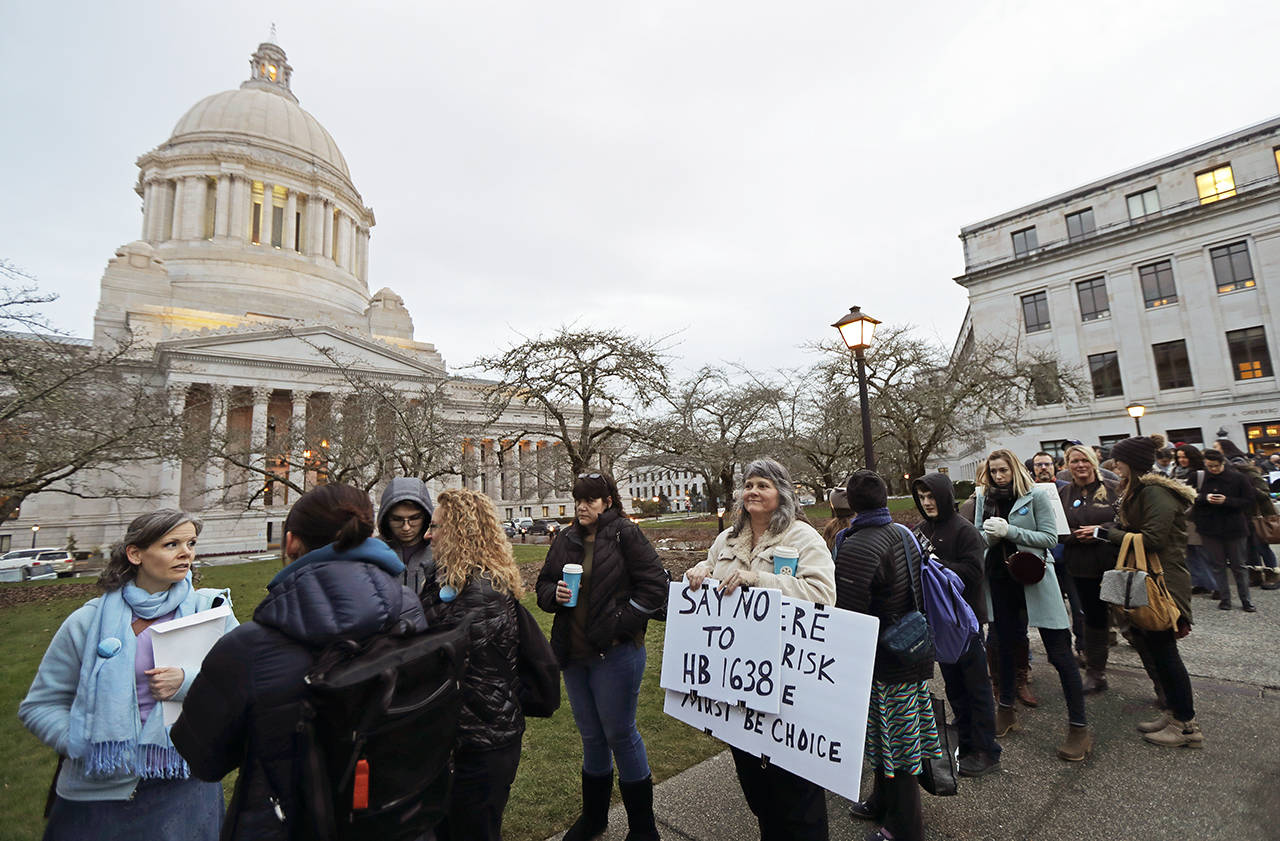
[878,573]
[600,646]
[1089,502]
[1153,506]
[340,583]
[478,583]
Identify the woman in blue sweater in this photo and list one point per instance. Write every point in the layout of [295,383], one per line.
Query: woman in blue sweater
[94,698]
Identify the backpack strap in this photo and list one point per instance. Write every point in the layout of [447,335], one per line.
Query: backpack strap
[904,533]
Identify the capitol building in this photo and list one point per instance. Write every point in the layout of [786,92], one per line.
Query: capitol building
[249,291]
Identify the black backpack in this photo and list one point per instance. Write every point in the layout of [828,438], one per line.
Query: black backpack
[376,734]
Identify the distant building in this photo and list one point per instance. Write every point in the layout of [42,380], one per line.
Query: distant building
[684,489]
[1162,282]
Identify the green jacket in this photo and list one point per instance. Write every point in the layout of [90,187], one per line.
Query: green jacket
[1157,509]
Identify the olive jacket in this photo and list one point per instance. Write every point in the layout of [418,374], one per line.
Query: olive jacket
[1157,510]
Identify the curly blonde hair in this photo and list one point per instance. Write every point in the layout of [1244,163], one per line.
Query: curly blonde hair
[467,541]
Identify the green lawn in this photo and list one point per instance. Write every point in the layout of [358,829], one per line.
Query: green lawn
[544,800]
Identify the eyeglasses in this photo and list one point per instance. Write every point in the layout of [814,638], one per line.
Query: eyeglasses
[590,476]
[411,520]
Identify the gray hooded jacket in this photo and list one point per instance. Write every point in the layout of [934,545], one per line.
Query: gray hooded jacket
[419,566]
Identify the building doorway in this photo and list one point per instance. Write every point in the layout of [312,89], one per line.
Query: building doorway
[1263,437]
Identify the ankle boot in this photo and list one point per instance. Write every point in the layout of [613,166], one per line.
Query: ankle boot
[637,797]
[1095,672]
[1006,720]
[596,792]
[1178,734]
[1078,745]
[1156,724]
[1022,675]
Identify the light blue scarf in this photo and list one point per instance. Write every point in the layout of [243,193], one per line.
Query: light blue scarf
[107,737]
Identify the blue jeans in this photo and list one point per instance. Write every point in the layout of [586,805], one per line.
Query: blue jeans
[603,693]
[1198,566]
[969,691]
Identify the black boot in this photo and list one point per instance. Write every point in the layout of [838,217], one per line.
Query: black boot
[904,818]
[637,797]
[596,792]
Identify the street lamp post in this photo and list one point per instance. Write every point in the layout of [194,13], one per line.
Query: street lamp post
[856,330]
[34,530]
[1136,411]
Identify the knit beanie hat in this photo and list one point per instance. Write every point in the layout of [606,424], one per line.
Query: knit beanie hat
[866,491]
[839,503]
[1138,453]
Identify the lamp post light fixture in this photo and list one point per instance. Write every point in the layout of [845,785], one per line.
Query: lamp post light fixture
[856,331]
[34,530]
[1136,411]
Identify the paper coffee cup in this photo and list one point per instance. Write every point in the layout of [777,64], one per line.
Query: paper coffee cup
[571,574]
[785,560]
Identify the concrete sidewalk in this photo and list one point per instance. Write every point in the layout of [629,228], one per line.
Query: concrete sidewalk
[1128,789]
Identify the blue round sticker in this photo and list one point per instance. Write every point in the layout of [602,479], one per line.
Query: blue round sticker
[1022,510]
[447,593]
[109,647]
[1077,503]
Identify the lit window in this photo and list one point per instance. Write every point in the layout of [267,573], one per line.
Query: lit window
[271,72]
[1080,224]
[1158,289]
[1231,268]
[1143,204]
[1035,311]
[1024,242]
[1215,184]
[255,222]
[1250,359]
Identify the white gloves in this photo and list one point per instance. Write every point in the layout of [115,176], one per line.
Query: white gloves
[996,527]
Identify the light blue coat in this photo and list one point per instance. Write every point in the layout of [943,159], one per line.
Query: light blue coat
[1032,528]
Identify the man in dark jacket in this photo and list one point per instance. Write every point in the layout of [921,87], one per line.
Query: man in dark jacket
[961,548]
[1223,498]
[403,517]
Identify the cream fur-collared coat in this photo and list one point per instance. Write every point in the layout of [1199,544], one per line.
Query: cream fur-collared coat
[815,578]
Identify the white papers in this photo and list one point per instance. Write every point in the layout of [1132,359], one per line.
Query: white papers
[184,643]
[1055,500]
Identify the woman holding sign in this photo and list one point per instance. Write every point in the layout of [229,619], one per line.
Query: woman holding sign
[772,545]
[598,637]
[95,697]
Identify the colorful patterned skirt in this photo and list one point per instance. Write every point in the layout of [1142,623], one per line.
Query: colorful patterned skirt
[900,727]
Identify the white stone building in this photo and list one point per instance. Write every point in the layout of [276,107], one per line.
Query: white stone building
[1162,282]
[684,489]
[251,224]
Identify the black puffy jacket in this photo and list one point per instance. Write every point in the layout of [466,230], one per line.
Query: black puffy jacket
[956,541]
[242,708]
[491,716]
[628,583]
[872,577]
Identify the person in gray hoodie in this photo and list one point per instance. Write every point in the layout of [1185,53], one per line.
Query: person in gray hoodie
[403,517]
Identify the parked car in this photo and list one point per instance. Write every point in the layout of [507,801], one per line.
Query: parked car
[547,527]
[523,524]
[39,563]
[510,528]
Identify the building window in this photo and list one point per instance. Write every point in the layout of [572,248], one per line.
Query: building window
[1231,268]
[1094,303]
[561,510]
[1249,357]
[1104,370]
[1024,242]
[1186,435]
[1157,284]
[1053,448]
[255,217]
[1215,184]
[1173,367]
[1044,384]
[1109,441]
[1143,204]
[1080,224]
[1035,311]
[210,207]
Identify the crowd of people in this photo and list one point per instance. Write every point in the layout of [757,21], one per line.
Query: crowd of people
[446,564]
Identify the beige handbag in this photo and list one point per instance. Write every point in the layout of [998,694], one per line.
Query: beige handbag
[1160,613]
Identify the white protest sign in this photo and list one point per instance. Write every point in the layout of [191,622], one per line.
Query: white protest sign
[1050,491]
[827,659]
[723,646]
[184,643]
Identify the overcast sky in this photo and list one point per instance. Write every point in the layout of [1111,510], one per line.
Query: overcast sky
[738,173]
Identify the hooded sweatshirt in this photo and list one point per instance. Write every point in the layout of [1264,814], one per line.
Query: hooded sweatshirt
[419,566]
[955,541]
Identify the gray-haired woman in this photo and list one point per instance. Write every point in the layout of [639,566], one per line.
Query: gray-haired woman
[788,807]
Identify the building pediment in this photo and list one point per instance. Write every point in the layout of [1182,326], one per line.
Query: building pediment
[313,348]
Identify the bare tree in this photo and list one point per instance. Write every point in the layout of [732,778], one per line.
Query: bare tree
[817,428]
[68,410]
[587,385]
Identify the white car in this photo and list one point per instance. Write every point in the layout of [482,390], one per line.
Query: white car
[38,563]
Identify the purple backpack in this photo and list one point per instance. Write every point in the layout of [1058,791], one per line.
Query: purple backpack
[951,620]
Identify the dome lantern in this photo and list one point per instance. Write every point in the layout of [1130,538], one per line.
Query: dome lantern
[269,70]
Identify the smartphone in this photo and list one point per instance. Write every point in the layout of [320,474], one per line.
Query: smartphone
[1097,532]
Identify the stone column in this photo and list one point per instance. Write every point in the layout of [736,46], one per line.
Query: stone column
[363,266]
[290,221]
[340,240]
[171,469]
[326,244]
[315,226]
[349,258]
[215,489]
[148,208]
[194,193]
[258,443]
[179,198]
[297,442]
[268,206]
[222,207]
[237,221]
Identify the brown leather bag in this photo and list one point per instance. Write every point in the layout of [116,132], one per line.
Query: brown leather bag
[1267,527]
[1161,612]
